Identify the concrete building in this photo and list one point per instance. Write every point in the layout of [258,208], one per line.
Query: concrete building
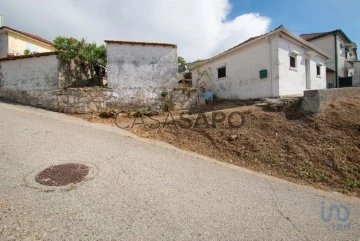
[139,72]
[275,64]
[356,76]
[14,42]
[342,52]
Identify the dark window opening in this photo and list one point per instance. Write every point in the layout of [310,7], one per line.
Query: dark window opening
[292,61]
[347,52]
[318,70]
[222,72]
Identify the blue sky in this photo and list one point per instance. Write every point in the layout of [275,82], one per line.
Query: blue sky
[305,16]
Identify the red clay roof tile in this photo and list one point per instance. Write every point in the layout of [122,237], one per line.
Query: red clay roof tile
[312,36]
[33,36]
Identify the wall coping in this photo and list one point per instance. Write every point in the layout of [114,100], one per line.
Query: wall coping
[140,43]
[28,56]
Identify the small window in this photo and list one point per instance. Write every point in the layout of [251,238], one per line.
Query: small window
[293,61]
[221,72]
[318,70]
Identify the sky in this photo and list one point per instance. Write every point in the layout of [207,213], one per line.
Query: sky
[200,28]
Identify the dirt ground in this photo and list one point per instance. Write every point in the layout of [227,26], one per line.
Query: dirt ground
[321,150]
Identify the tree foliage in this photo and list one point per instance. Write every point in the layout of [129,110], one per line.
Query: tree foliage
[27,52]
[181,60]
[90,57]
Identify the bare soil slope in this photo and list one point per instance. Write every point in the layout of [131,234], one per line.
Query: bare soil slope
[322,150]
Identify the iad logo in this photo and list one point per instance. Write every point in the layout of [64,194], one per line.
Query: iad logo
[338,215]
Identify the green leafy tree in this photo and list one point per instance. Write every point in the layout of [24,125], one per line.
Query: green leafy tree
[181,60]
[90,57]
[27,52]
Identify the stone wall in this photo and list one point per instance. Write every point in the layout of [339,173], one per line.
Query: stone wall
[140,72]
[186,99]
[85,100]
[38,81]
[317,100]
[30,80]
[42,80]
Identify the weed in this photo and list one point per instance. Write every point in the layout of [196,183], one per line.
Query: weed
[353,183]
[324,177]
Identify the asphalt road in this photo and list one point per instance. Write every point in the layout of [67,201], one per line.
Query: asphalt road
[140,189]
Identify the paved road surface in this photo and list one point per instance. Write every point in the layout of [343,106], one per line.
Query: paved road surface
[144,190]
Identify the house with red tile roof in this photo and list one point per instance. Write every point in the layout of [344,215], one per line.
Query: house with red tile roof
[14,42]
[343,55]
[278,63]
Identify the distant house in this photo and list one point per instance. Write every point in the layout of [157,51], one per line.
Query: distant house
[340,66]
[14,42]
[275,64]
[139,71]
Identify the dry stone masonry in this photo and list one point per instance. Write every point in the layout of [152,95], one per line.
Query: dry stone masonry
[137,75]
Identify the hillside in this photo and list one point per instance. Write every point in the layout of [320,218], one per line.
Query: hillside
[322,150]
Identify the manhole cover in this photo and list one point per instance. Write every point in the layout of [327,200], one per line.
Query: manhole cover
[62,175]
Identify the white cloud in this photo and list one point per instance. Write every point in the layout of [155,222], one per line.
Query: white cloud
[200,28]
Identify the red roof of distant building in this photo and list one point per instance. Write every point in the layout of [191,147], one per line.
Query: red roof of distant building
[33,36]
[312,36]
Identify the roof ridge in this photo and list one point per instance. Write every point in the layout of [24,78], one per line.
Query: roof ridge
[279,28]
[30,35]
[316,35]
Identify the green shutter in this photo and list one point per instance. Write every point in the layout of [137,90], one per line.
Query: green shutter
[263,73]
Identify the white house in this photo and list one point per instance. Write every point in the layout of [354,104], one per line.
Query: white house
[342,57]
[275,64]
[139,72]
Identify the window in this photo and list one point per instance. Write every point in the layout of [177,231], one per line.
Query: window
[347,51]
[221,72]
[293,61]
[318,70]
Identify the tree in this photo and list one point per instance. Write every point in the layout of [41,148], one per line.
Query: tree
[181,61]
[90,57]
[27,52]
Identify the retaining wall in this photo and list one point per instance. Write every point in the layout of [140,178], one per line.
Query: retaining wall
[30,80]
[42,80]
[317,100]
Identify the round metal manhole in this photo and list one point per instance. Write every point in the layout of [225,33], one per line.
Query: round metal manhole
[61,175]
